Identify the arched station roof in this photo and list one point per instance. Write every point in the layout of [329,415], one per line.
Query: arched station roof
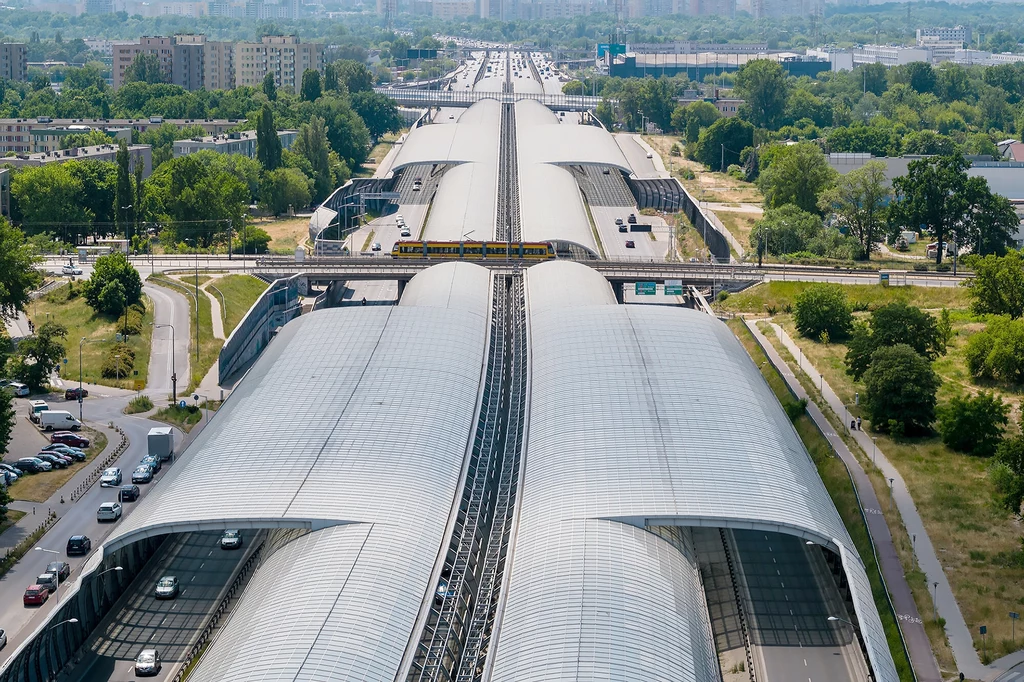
[471,138]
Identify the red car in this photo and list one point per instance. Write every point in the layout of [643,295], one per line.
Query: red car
[36,595]
[72,393]
[631,244]
[69,438]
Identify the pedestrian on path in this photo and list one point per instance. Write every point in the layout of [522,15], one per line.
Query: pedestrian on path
[858,424]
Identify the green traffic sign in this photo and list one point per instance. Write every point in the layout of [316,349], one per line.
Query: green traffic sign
[673,287]
[646,288]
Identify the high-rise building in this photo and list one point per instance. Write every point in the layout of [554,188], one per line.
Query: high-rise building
[283,56]
[13,61]
[188,67]
[220,66]
[125,53]
[961,34]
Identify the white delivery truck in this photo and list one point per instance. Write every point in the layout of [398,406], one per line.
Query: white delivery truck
[58,420]
[161,442]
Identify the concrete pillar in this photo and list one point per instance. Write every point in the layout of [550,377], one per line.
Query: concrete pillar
[401,289]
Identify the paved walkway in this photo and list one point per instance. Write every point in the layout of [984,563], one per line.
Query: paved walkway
[902,597]
[216,314]
[959,635]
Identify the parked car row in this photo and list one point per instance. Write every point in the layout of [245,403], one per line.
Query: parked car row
[65,449]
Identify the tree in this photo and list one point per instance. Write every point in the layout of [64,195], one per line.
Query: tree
[892,324]
[605,114]
[38,356]
[197,201]
[7,417]
[700,114]
[269,86]
[992,220]
[796,174]
[974,425]
[252,240]
[284,188]
[311,88]
[931,195]
[997,287]
[720,144]
[145,68]
[110,274]
[900,388]
[93,137]
[997,352]
[823,308]
[49,199]
[268,144]
[764,87]
[1008,472]
[354,75]
[346,131]
[858,200]
[18,275]
[312,144]
[124,202]
[782,230]
[379,113]
[918,75]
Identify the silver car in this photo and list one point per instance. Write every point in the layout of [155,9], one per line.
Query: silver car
[231,539]
[109,511]
[111,477]
[147,663]
[167,587]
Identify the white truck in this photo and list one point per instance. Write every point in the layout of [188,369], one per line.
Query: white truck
[58,420]
[161,442]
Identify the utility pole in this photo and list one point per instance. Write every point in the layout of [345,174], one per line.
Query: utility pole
[723,159]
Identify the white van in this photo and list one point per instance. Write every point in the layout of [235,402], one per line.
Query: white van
[59,420]
[35,407]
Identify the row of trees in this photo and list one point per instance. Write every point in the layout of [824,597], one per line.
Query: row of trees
[936,196]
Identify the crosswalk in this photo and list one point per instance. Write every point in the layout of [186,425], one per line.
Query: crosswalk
[1011,676]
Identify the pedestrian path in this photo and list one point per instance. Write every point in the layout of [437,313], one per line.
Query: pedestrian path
[216,314]
[911,624]
[957,632]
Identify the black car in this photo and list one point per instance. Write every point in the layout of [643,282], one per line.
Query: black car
[61,448]
[54,460]
[79,544]
[631,218]
[129,493]
[61,568]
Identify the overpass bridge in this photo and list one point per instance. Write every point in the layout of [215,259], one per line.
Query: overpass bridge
[467,98]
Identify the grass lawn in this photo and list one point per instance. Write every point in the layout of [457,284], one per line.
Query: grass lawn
[285,233]
[184,419]
[10,518]
[39,487]
[740,225]
[209,347]
[781,294]
[837,480]
[98,329]
[977,541]
[716,186]
[690,243]
[240,292]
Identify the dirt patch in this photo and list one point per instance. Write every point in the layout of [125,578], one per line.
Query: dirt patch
[285,233]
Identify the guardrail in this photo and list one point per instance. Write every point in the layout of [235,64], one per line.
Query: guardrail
[198,648]
[97,472]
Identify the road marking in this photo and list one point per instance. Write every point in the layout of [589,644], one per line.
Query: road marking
[202,564]
[805,662]
[193,578]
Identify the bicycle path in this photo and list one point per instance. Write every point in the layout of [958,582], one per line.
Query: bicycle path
[910,622]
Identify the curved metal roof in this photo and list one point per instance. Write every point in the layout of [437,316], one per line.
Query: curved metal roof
[551,206]
[563,145]
[677,428]
[474,137]
[465,200]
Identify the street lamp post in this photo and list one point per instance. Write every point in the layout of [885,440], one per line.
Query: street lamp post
[63,622]
[174,374]
[890,492]
[935,600]
[833,619]
[56,590]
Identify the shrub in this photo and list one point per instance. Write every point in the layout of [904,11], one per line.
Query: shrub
[119,361]
[974,425]
[138,404]
[795,408]
[920,267]
[823,307]
[686,174]
[997,352]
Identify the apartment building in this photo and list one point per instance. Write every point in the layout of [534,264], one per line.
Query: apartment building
[125,53]
[283,56]
[243,143]
[13,61]
[956,34]
[137,154]
[219,65]
[29,135]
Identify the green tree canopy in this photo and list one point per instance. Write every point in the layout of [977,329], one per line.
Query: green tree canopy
[269,86]
[197,202]
[997,287]
[720,144]
[284,188]
[786,229]
[858,200]
[18,274]
[312,144]
[311,89]
[889,325]
[145,68]
[997,352]
[50,199]
[900,388]
[931,194]
[38,356]
[268,144]
[823,308]
[7,418]
[112,273]
[764,87]
[354,75]
[974,424]
[796,174]
[379,113]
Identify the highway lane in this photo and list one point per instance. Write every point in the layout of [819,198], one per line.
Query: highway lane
[636,156]
[141,621]
[76,518]
[614,242]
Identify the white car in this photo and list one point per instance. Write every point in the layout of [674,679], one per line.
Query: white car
[20,390]
[650,155]
[375,246]
[111,477]
[231,539]
[405,232]
[167,587]
[109,511]
[70,270]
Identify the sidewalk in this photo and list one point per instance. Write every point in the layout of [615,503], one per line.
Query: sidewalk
[959,635]
[909,620]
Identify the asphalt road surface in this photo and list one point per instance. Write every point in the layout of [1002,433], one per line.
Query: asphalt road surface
[637,157]
[141,621]
[169,308]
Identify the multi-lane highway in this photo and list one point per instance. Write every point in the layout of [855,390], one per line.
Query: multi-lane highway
[171,626]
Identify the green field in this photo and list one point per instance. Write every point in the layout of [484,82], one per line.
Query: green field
[778,295]
[240,292]
[71,310]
